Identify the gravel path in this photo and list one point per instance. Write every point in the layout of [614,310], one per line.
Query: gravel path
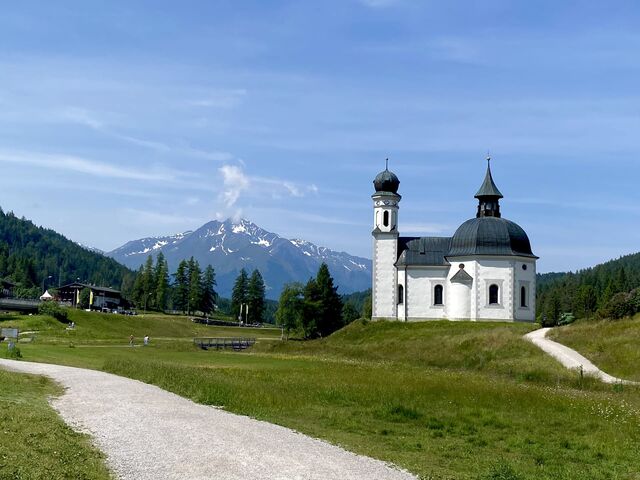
[149,433]
[570,358]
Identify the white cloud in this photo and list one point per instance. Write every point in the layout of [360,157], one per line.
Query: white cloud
[428,228]
[219,99]
[235,182]
[85,166]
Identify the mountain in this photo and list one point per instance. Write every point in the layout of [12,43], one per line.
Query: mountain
[33,257]
[229,246]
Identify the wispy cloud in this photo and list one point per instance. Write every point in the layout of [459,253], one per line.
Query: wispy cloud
[86,166]
[86,118]
[428,228]
[218,99]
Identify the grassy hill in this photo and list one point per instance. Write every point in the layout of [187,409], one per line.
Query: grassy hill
[614,346]
[444,400]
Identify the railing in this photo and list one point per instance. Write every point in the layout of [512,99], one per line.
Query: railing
[19,304]
[221,343]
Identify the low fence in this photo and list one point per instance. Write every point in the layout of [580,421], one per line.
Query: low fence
[236,344]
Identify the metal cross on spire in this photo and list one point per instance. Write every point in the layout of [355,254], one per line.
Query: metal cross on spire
[386,164]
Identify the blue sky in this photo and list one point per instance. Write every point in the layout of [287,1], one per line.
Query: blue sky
[120,120]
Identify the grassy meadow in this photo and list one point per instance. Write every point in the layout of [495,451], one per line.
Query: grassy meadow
[612,345]
[445,400]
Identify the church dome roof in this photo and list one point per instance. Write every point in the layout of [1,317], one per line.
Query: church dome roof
[386,181]
[490,236]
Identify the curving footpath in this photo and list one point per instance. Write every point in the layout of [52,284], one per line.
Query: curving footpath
[570,358]
[149,433]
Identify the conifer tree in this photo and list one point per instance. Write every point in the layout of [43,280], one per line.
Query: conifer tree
[209,295]
[181,290]
[148,284]
[255,297]
[239,293]
[195,285]
[290,307]
[330,315]
[161,281]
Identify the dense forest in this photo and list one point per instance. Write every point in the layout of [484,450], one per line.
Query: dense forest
[608,290]
[33,257]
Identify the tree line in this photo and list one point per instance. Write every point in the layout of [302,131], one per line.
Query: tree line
[609,290]
[315,309]
[192,289]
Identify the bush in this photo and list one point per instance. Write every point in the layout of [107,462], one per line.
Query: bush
[53,310]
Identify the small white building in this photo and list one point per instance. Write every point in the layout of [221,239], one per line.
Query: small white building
[486,271]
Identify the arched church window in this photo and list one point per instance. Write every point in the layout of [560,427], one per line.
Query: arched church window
[400,294]
[523,296]
[493,294]
[385,217]
[438,295]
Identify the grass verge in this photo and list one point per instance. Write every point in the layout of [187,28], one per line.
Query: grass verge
[34,442]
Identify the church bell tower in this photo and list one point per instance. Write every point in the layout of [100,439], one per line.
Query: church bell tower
[384,291]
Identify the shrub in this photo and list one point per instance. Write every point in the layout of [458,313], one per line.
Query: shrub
[53,310]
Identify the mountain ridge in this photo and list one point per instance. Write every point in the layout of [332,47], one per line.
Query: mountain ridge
[229,246]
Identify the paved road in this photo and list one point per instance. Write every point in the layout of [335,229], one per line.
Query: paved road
[148,433]
[568,357]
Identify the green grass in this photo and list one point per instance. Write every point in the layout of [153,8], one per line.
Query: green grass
[34,442]
[445,400]
[612,345]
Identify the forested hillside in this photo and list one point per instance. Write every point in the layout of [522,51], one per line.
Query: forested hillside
[608,290]
[32,256]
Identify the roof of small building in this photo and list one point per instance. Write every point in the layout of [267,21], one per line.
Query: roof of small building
[462,276]
[95,288]
[424,251]
[490,236]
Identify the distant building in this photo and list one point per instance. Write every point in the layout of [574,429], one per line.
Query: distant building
[6,288]
[486,271]
[99,297]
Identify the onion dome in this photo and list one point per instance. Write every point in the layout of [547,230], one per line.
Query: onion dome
[386,181]
[490,236]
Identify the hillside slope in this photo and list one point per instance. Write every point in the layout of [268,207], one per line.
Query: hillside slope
[32,255]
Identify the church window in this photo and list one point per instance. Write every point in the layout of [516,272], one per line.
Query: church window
[493,295]
[400,294]
[385,217]
[437,295]
[524,267]
[523,296]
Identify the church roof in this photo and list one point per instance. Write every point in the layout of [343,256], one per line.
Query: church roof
[490,236]
[423,251]
[488,187]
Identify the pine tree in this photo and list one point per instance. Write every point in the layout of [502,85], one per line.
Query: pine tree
[161,281]
[330,318]
[209,295]
[181,290]
[290,307]
[195,285]
[148,284]
[239,293]
[255,297]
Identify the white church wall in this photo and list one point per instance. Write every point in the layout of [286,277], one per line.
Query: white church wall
[525,277]
[384,276]
[495,271]
[419,292]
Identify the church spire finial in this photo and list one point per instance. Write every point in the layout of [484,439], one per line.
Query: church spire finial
[386,164]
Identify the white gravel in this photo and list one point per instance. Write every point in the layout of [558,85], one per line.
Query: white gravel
[569,357]
[149,433]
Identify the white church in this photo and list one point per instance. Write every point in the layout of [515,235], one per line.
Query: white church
[486,271]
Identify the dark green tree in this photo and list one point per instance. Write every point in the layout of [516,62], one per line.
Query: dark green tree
[161,281]
[195,285]
[330,314]
[148,285]
[290,308]
[85,297]
[181,287]
[239,293]
[349,313]
[209,295]
[256,297]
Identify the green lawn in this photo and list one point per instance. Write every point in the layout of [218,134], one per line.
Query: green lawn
[446,400]
[34,442]
[612,345]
